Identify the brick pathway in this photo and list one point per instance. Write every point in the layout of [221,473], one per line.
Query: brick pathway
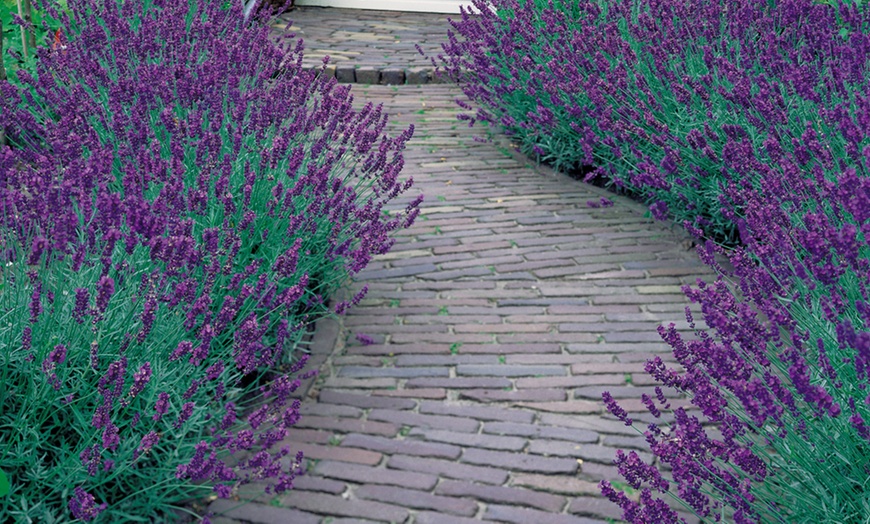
[369,47]
[498,320]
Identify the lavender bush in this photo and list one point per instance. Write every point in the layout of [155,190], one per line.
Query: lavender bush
[180,200]
[741,119]
[647,94]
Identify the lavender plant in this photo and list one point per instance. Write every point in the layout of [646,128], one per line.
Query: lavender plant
[645,94]
[180,200]
[781,375]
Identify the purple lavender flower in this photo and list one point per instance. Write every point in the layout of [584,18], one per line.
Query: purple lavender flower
[83,505]
[140,379]
[82,305]
[105,289]
[161,406]
[148,441]
[147,318]
[186,412]
[364,339]
[615,409]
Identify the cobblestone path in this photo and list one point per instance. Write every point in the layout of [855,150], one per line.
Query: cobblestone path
[369,47]
[497,319]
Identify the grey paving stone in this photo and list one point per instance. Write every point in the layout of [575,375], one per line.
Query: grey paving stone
[506,495]
[345,74]
[519,461]
[374,475]
[518,515]
[449,469]
[261,513]
[538,430]
[368,75]
[476,412]
[470,440]
[424,421]
[392,76]
[505,370]
[418,499]
[403,372]
[338,506]
[405,447]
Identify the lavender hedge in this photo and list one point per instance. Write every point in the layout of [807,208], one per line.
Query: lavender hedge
[650,95]
[746,121]
[179,202]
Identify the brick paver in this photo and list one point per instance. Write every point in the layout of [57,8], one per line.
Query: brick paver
[368,47]
[498,319]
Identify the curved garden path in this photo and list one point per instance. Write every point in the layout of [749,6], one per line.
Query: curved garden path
[495,323]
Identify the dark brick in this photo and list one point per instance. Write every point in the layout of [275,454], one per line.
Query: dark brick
[589,422]
[470,440]
[367,75]
[336,506]
[431,393]
[556,484]
[417,75]
[360,383]
[458,383]
[345,74]
[261,513]
[520,338]
[517,515]
[590,452]
[310,436]
[621,442]
[519,461]
[571,381]
[537,431]
[476,412]
[572,406]
[445,360]
[429,517]
[606,367]
[499,395]
[509,349]
[393,76]
[395,272]
[310,483]
[406,447]
[347,425]
[639,348]
[357,456]
[424,421]
[404,372]
[329,410]
[418,499]
[504,370]
[618,392]
[449,469]
[369,475]
[595,507]
[364,401]
[543,501]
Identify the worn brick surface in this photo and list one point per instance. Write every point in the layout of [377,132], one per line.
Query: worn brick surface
[449,469]
[506,495]
[519,461]
[261,513]
[369,475]
[491,326]
[407,447]
[339,506]
[419,499]
[518,515]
